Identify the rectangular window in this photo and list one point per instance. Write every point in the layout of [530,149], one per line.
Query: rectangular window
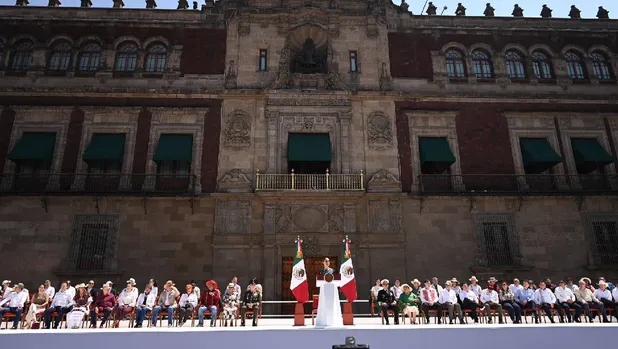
[353,62]
[263,64]
[104,167]
[93,243]
[174,168]
[604,239]
[497,241]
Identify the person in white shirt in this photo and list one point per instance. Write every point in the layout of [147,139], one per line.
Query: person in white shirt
[6,288]
[475,287]
[188,302]
[70,289]
[49,289]
[448,300]
[15,302]
[605,296]
[515,286]
[396,289]
[126,302]
[490,300]
[429,300]
[615,294]
[545,299]
[455,286]
[566,300]
[374,296]
[145,303]
[62,304]
[469,300]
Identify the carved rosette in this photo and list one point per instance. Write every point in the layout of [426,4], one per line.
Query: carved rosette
[237,132]
[383,181]
[379,131]
[233,217]
[234,181]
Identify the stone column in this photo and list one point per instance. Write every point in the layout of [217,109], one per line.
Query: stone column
[272,120]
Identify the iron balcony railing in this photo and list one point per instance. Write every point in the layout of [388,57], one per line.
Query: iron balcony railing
[97,184]
[309,182]
[518,184]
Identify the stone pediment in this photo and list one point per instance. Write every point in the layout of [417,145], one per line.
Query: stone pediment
[234,181]
[383,182]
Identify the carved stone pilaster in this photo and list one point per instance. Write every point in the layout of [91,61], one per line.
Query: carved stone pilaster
[233,217]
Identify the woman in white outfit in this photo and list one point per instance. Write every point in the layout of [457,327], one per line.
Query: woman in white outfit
[39,303]
[80,309]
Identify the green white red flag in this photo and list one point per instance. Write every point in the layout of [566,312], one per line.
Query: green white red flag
[299,284]
[348,281]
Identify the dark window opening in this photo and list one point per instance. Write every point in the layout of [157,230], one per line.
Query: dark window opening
[353,61]
[497,244]
[263,64]
[310,59]
[606,242]
[309,167]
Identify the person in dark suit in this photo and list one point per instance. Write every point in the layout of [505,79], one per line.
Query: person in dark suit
[387,301]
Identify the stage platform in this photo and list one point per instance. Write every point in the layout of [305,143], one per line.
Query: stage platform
[279,333]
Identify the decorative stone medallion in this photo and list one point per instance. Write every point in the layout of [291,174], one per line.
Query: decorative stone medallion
[237,131]
[379,131]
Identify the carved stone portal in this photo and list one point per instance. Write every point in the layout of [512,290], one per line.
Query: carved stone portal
[233,217]
[237,130]
[296,218]
[234,181]
[385,216]
[379,131]
[383,181]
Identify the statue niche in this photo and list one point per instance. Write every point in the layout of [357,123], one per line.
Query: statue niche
[310,59]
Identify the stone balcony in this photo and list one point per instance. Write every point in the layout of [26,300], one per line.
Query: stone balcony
[309,182]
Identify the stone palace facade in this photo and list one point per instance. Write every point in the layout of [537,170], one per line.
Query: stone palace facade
[198,144]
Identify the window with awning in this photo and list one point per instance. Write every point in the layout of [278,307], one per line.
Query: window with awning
[537,155]
[589,155]
[309,152]
[34,152]
[435,155]
[174,153]
[105,152]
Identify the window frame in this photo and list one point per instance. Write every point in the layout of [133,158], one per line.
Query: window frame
[455,66]
[155,61]
[90,55]
[542,66]
[353,57]
[174,168]
[263,60]
[600,65]
[605,252]
[513,65]
[86,256]
[59,60]
[575,66]
[22,54]
[482,66]
[125,59]
[506,224]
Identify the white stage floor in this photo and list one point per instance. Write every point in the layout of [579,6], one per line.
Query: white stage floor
[279,333]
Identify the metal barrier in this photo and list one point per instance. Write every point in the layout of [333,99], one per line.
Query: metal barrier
[293,181]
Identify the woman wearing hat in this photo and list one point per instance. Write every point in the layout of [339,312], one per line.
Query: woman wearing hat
[230,304]
[408,303]
[82,302]
[209,301]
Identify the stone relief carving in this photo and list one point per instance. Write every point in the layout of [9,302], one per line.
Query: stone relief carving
[244,28]
[384,181]
[230,76]
[311,246]
[308,124]
[385,216]
[233,217]
[309,102]
[385,78]
[297,218]
[234,181]
[237,130]
[379,131]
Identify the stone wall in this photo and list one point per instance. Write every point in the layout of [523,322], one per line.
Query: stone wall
[247,235]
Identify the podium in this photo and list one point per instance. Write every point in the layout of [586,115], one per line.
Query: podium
[329,307]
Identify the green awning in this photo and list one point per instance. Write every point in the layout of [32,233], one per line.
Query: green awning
[309,147]
[174,147]
[538,153]
[34,146]
[105,147]
[435,150]
[589,150]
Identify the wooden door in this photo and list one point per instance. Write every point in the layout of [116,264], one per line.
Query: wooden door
[313,267]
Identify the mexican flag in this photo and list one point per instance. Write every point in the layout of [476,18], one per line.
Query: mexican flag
[348,282]
[299,285]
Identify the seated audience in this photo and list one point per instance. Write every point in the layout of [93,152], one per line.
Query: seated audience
[167,303]
[408,303]
[105,304]
[605,296]
[81,303]
[251,301]
[145,303]
[210,300]
[507,300]
[15,302]
[429,301]
[470,300]
[387,301]
[526,298]
[490,300]
[588,301]
[230,303]
[188,302]
[448,301]
[40,301]
[62,304]
[566,301]
[546,300]
[126,301]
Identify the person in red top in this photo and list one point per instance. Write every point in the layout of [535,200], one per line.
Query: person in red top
[210,300]
[105,303]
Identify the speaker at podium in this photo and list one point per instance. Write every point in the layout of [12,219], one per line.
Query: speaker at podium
[329,306]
